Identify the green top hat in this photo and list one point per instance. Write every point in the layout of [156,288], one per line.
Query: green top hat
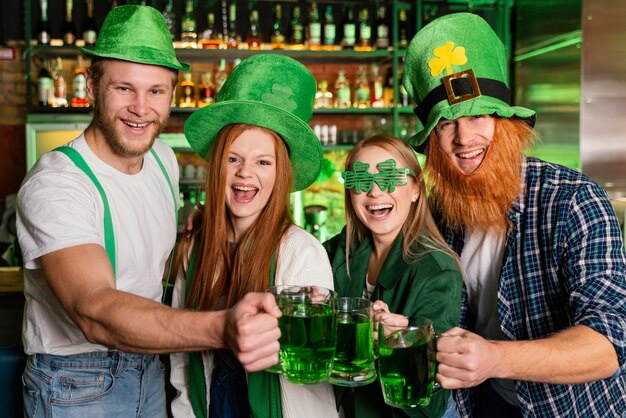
[456,66]
[271,91]
[136,34]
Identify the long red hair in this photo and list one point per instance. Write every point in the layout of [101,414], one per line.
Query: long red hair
[222,277]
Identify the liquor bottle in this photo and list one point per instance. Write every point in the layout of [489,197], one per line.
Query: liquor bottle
[220,76]
[349,28]
[342,91]
[376,88]
[233,39]
[362,90]
[187,97]
[79,85]
[365,31]
[323,97]
[170,18]
[69,30]
[388,94]
[254,38]
[382,28]
[59,98]
[277,39]
[89,26]
[314,35]
[206,90]
[403,39]
[210,37]
[45,88]
[43,32]
[329,28]
[188,35]
[296,31]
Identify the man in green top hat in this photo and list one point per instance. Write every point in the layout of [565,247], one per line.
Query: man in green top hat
[97,221]
[542,330]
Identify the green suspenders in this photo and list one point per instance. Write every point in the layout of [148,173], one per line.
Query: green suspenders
[109,234]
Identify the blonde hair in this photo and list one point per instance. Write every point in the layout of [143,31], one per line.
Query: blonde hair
[419,226]
[222,277]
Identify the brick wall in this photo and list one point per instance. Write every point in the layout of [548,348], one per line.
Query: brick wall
[12,121]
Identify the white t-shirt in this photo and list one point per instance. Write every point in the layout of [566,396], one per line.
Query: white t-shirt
[482,261]
[60,207]
[301,261]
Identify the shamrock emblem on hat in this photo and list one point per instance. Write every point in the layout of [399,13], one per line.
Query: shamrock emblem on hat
[280,96]
[447,56]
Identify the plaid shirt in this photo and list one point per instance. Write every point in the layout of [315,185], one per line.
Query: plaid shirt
[564,265]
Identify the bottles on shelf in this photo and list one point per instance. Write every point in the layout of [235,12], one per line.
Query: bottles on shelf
[90,33]
[314,28]
[254,38]
[43,31]
[323,97]
[365,31]
[79,85]
[45,87]
[362,90]
[188,34]
[377,99]
[170,18]
[329,28]
[382,27]
[59,98]
[206,89]
[343,93]
[403,36]
[69,30]
[187,97]
[277,38]
[233,39]
[349,28]
[210,39]
[220,76]
[296,32]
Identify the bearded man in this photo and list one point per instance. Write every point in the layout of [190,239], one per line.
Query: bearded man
[543,324]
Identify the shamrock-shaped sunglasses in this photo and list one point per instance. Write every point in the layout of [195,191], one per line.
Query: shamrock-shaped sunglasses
[387,178]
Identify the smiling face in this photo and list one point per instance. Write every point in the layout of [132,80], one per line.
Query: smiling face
[465,140]
[251,175]
[132,105]
[383,213]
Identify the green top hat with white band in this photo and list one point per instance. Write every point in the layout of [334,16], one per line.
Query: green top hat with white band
[137,34]
[271,91]
[456,66]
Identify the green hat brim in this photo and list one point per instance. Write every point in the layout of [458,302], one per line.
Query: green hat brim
[483,105]
[305,150]
[144,55]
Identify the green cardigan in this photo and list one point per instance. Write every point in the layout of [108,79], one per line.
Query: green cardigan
[429,287]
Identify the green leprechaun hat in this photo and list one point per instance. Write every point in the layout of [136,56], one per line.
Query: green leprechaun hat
[137,34]
[271,91]
[456,66]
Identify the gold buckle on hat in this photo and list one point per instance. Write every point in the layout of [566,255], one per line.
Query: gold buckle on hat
[452,97]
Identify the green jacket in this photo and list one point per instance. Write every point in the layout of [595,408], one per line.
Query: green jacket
[429,287]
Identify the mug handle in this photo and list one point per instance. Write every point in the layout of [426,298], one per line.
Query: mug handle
[437,386]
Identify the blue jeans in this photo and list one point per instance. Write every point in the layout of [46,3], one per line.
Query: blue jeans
[93,385]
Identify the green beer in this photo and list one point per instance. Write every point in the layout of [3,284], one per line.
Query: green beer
[407,371]
[307,342]
[354,358]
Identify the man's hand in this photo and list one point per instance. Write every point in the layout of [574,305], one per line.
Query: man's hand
[251,331]
[465,359]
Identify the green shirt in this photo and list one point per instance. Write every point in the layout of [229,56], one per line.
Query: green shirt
[428,287]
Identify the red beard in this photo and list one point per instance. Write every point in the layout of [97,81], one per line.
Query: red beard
[481,199]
